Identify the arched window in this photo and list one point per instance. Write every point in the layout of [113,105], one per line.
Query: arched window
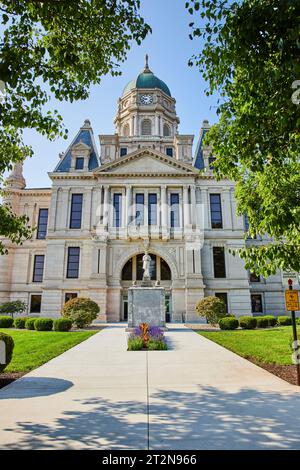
[167,130]
[146,127]
[126,130]
[165,272]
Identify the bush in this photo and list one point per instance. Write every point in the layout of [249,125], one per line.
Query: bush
[29,324]
[157,345]
[262,322]
[81,310]
[20,322]
[16,306]
[43,324]
[62,324]
[9,347]
[284,320]
[6,322]
[247,322]
[272,321]
[135,343]
[212,308]
[228,323]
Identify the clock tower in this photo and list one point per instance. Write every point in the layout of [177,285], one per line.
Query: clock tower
[146,118]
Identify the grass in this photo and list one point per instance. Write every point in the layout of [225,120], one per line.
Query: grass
[269,346]
[34,348]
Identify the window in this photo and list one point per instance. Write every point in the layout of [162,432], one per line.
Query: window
[76,211]
[139,209]
[38,268]
[79,163]
[127,271]
[254,277]
[169,151]
[165,272]
[152,209]
[166,130]
[35,303]
[42,224]
[223,296]
[174,210]
[117,209]
[216,211]
[123,151]
[246,223]
[219,262]
[73,262]
[146,127]
[70,296]
[256,303]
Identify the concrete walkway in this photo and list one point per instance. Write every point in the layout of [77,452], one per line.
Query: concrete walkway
[197,395]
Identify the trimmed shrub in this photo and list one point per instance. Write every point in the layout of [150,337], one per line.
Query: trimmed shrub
[284,320]
[298,321]
[212,308]
[43,324]
[20,322]
[228,323]
[272,321]
[247,322]
[6,322]
[29,324]
[62,324]
[135,343]
[9,347]
[262,322]
[81,310]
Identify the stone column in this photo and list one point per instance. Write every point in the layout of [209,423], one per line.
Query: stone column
[156,125]
[86,209]
[106,206]
[123,209]
[128,204]
[164,207]
[186,206]
[193,204]
[226,209]
[205,208]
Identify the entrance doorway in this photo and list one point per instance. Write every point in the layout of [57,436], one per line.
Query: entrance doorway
[125,308]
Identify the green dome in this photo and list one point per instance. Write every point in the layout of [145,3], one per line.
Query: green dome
[147,79]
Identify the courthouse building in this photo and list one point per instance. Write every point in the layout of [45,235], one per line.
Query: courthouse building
[142,190]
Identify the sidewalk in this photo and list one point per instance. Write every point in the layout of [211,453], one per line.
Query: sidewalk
[197,395]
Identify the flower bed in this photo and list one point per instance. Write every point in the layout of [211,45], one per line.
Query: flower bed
[146,337]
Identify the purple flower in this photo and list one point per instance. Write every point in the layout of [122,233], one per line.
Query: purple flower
[156,333]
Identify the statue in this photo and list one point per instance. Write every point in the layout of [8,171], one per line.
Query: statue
[146,266]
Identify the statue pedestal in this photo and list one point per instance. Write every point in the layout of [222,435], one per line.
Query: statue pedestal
[146,305]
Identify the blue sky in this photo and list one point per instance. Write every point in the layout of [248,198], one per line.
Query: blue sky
[169,49]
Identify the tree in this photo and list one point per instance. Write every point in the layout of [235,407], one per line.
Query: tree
[54,48]
[212,308]
[250,57]
[13,307]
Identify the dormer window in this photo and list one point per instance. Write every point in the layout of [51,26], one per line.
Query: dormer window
[79,164]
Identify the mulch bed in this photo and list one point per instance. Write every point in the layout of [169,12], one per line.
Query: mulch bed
[7,377]
[287,372]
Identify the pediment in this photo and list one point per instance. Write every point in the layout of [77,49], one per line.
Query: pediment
[81,146]
[147,162]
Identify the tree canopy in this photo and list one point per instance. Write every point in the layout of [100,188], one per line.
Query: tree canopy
[250,57]
[54,48]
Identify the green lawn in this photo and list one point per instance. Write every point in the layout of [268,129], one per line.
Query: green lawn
[269,346]
[34,348]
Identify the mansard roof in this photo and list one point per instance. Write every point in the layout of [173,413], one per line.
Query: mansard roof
[198,159]
[85,136]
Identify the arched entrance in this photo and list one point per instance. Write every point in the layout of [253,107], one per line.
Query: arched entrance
[133,272]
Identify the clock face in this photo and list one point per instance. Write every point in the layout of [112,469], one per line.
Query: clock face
[146,99]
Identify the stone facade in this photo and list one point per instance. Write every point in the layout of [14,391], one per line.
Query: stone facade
[144,191]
